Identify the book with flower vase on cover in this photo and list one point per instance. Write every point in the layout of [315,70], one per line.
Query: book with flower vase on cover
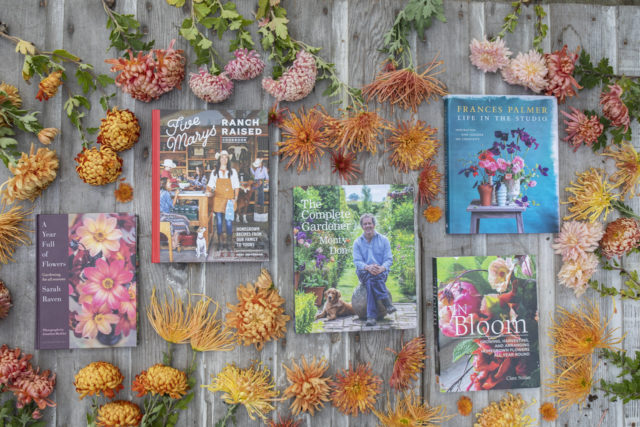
[86,280]
[486,323]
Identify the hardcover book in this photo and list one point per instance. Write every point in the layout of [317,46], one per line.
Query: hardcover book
[354,258]
[502,164]
[86,281]
[486,323]
[210,189]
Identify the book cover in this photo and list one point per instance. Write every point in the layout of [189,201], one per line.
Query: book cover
[86,280]
[210,186]
[354,258]
[486,323]
[502,164]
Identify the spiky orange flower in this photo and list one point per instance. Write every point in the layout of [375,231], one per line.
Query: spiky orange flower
[465,406]
[174,322]
[213,336]
[259,315]
[432,213]
[119,413]
[406,87]
[303,141]
[309,389]
[627,161]
[429,183]
[344,165]
[509,412]
[411,144]
[410,411]
[98,377]
[548,411]
[49,86]
[409,362]
[162,380]
[285,422]
[572,382]
[13,230]
[124,193]
[355,390]
[591,197]
[355,131]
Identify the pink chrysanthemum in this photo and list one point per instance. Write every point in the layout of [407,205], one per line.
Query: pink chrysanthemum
[296,82]
[528,70]
[489,56]
[247,65]
[576,274]
[560,81]
[613,108]
[34,387]
[12,364]
[577,239]
[581,129]
[209,87]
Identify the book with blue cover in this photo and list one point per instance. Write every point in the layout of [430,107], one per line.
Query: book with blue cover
[502,164]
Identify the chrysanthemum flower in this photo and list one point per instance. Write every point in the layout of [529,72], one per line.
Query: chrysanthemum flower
[429,183]
[344,165]
[118,414]
[48,86]
[613,108]
[34,387]
[465,406]
[174,322]
[124,193]
[12,95]
[13,230]
[577,238]
[627,161]
[432,214]
[560,80]
[620,236]
[409,410]
[528,70]
[100,234]
[213,335]
[355,131]
[548,412]
[581,129]
[33,173]
[408,363]
[303,141]
[411,144]
[162,380]
[591,196]
[308,388]
[98,166]
[12,364]
[5,301]
[119,130]
[252,388]
[259,315]
[246,66]
[296,82]
[355,390]
[276,115]
[509,412]
[575,274]
[46,135]
[98,377]
[406,88]
[210,87]
[285,422]
[579,333]
[489,56]
[572,382]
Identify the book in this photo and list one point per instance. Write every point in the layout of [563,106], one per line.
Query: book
[351,240]
[210,186]
[502,164]
[486,323]
[86,280]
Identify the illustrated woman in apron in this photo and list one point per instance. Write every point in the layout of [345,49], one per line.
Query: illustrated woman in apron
[226,187]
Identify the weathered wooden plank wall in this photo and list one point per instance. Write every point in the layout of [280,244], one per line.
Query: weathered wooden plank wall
[350,33]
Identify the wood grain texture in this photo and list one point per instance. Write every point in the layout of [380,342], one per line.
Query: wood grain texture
[350,34]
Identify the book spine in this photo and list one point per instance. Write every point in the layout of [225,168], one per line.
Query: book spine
[155,186]
[447,169]
[436,334]
[38,260]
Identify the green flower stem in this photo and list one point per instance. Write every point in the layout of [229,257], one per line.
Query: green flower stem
[231,411]
[511,20]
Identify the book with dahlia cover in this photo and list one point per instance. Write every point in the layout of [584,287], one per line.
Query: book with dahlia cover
[86,280]
[486,323]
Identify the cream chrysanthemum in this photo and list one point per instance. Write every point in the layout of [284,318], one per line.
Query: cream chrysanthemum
[528,70]
[577,238]
[489,56]
[575,274]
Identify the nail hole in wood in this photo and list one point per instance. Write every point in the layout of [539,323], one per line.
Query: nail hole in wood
[335,337]
[70,28]
[145,152]
[460,14]
[148,6]
[325,11]
[287,240]
[145,29]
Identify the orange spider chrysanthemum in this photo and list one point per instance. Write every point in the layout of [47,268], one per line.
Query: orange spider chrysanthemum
[627,161]
[259,315]
[355,390]
[548,411]
[124,193]
[173,321]
[344,165]
[572,382]
[285,422]
[356,131]
[406,87]
[465,406]
[411,144]
[309,389]
[429,183]
[432,214]
[409,410]
[409,362]
[213,335]
[98,377]
[303,140]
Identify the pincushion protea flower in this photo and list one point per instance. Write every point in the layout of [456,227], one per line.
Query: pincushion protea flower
[13,231]
[575,274]
[409,410]
[303,141]
[432,214]
[355,390]
[577,239]
[296,82]
[465,406]
[98,377]
[591,196]
[46,135]
[408,363]
[560,80]
[246,66]
[34,387]
[210,87]
[572,382]
[33,173]
[548,412]
[174,322]
[308,388]
[119,130]
[489,56]
[344,164]
[5,300]
[48,86]
[627,177]
[12,95]
[613,108]
[411,144]
[355,131]
[581,129]
[98,166]
[508,412]
[259,315]
[161,380]
[119,413]
[12,364]
[124,193]
[620,236]
[429,183]
[146,77]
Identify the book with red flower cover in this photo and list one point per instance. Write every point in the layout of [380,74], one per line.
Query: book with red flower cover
[86,280]
[486,323]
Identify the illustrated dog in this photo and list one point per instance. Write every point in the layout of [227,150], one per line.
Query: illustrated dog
[201,243]
[244,199]
[334,307]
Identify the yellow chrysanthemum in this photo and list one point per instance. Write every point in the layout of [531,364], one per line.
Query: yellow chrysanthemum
[410,411]
[98,377]
[119,130]
[49,86]
[175,323]
[548,412]
[213,335]
[309,389]
[252,388]
[509,412]
[411,144]
[163,380]
[572,382]
[465,406]
[432,214]
[32,174]
[120,413]
[98,166]
[628,163]
[259,315]
[591,196]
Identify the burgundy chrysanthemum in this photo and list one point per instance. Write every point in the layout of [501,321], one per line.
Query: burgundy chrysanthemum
[297,81]
[344,164]
[247,65]
[209,87]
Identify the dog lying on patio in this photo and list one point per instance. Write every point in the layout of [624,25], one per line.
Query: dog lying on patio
[334,307]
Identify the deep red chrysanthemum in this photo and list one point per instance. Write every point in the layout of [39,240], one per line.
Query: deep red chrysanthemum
[345,165]
[409,362]
[429,183]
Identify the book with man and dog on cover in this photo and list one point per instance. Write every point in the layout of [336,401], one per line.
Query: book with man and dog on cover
[354,258]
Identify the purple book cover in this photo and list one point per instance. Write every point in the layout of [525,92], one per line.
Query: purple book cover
[86,278]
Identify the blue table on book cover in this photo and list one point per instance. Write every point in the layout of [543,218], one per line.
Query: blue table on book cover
[494,211]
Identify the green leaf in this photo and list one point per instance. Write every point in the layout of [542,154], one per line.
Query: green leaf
[85,80]
[205,43]
[105,80]
[262,9]
[229,14]
[279,26]
[61,53]
[83,101]
[189,33]
[184,402]
[6,142]
[201,10]
[176,3]
[464,348]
